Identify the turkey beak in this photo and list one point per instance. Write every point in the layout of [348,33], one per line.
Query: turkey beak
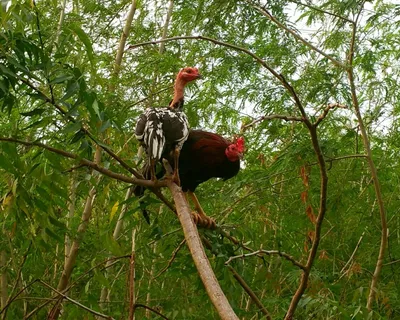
[199,76]
[240,154]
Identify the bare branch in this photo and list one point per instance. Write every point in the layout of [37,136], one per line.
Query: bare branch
[16,296]
[250,292]
[352,255]
[75,302]
[268,252]
[138,305]
[174,253]
[327,109]
[270,117]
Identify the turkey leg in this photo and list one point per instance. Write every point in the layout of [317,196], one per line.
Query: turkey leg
[202,219]
[175,175]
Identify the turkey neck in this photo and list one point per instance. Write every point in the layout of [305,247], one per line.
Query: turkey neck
[177,100]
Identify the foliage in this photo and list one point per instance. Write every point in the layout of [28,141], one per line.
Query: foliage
[55,91]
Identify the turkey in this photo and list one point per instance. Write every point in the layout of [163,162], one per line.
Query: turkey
[206,155]
[162,130]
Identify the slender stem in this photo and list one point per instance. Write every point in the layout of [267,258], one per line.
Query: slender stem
[321,11]
[250,292]
[371,163]
[138,305]
[270,117]
[75,302]
[268,252]
[267,14]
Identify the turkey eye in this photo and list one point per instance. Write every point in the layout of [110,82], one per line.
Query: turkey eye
[189,71]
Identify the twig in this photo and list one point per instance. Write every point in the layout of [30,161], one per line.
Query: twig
[174,253]
[234,240]
[322,11]
[75,302]
[267,14]
[268,252]
[16,281]
[352,255]
[326,110]
[250,292]
[391,262]
[19,292]
[138,305]
[273,116]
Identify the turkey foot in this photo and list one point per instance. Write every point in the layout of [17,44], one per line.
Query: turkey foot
[199,217]
[203,221]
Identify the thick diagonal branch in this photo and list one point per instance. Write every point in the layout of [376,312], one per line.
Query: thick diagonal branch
[199,256]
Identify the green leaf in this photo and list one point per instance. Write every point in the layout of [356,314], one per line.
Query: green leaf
[86,41]
[61,79]
[53,235]
[37,111]
[73,127]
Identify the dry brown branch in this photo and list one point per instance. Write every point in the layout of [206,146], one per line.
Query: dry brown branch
[250,292]
[352,256]
[174,253]
[270,117]
[76,302]
[327,109]
[268,252]
[199,256]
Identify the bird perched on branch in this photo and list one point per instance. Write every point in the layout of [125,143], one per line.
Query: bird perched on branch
[162,130]
[206,155]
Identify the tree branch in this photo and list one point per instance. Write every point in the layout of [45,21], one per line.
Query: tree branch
[268,252]
[91,164]
[250,292]
[280,77]
[267,14]
[270,117]
[76,302]
[322,11]
[174,253]
[327,109]
[199,256]
[138,305]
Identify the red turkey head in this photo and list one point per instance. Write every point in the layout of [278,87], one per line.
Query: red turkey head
[188,74]
[234,151]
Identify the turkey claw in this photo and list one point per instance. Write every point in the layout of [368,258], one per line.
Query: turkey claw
[204,222]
